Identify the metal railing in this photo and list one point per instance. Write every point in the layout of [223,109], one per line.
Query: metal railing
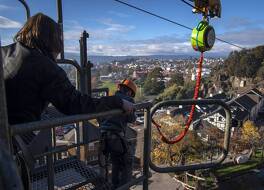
[200,165]
[49,124]
[26,8]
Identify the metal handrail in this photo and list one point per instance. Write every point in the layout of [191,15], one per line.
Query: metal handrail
[70,62]
[26,7]
[60,22]
[59,149]
[48,124]
[226,136]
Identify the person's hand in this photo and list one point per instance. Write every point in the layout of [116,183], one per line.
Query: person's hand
[128,107]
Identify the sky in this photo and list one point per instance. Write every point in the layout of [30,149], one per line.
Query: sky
[117,30]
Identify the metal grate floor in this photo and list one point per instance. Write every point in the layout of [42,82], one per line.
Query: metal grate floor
[69,174]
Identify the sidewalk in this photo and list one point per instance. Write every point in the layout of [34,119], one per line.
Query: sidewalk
[160,181]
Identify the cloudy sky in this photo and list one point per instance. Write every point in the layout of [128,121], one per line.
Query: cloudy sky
[119,30]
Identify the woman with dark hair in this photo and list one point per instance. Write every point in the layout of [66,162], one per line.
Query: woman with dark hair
[33,79]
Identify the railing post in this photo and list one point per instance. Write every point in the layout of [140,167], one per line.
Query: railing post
[60,22]
[77,130]
[86,66]
[86,86]
[147,147]
[50,168]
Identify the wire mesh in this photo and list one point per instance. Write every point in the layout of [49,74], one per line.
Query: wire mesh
[69,174]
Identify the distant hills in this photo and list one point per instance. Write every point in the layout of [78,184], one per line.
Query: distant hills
[107,59]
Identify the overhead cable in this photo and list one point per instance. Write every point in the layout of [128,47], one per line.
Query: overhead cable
[171,21]
[153,14]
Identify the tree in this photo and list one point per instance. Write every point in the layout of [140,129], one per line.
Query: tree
[249,65]
[250,134]
[236,142]
[188,150]
[107,69]
[259,53]
[154,83]
[260,73]
[175,92]
[170,93]
[245,63]
[188,90]
[232,61]
[176,78]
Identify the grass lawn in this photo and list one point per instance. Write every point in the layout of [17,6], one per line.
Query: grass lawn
[251,164]
[258,154]
[237,168]
[110,85]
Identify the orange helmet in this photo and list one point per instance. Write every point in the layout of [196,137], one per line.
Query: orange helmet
[130,84]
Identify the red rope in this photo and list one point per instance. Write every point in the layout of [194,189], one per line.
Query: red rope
[190,118]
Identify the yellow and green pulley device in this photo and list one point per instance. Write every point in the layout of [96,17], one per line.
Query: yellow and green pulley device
[203,37]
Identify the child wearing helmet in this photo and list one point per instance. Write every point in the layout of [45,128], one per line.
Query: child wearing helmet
[115,143]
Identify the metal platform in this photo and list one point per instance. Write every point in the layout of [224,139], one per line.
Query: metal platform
[69,173]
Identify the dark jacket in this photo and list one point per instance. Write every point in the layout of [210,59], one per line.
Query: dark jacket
[33,80]
[118,123]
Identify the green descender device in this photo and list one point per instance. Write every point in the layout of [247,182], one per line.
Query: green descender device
[203,36]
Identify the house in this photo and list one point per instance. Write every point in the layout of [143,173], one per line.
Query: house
[244,107]
[139,74]
[258,97]
[208,132]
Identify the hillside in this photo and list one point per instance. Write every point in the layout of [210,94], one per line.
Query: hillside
[246,63]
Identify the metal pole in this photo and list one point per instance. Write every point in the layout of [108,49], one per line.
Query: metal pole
[85,64]
[77,129]
[50,168]
[89,78]
[54,141]
[85,83]
[147,146]
[60,22]
[4,128]
[26,7]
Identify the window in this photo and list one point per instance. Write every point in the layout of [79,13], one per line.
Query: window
[91,147]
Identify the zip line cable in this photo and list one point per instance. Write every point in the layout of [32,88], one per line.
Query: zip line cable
[153,14]
[229,43]
[171,21]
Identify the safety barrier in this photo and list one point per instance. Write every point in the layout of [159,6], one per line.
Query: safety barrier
[52,123]
[226,135]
